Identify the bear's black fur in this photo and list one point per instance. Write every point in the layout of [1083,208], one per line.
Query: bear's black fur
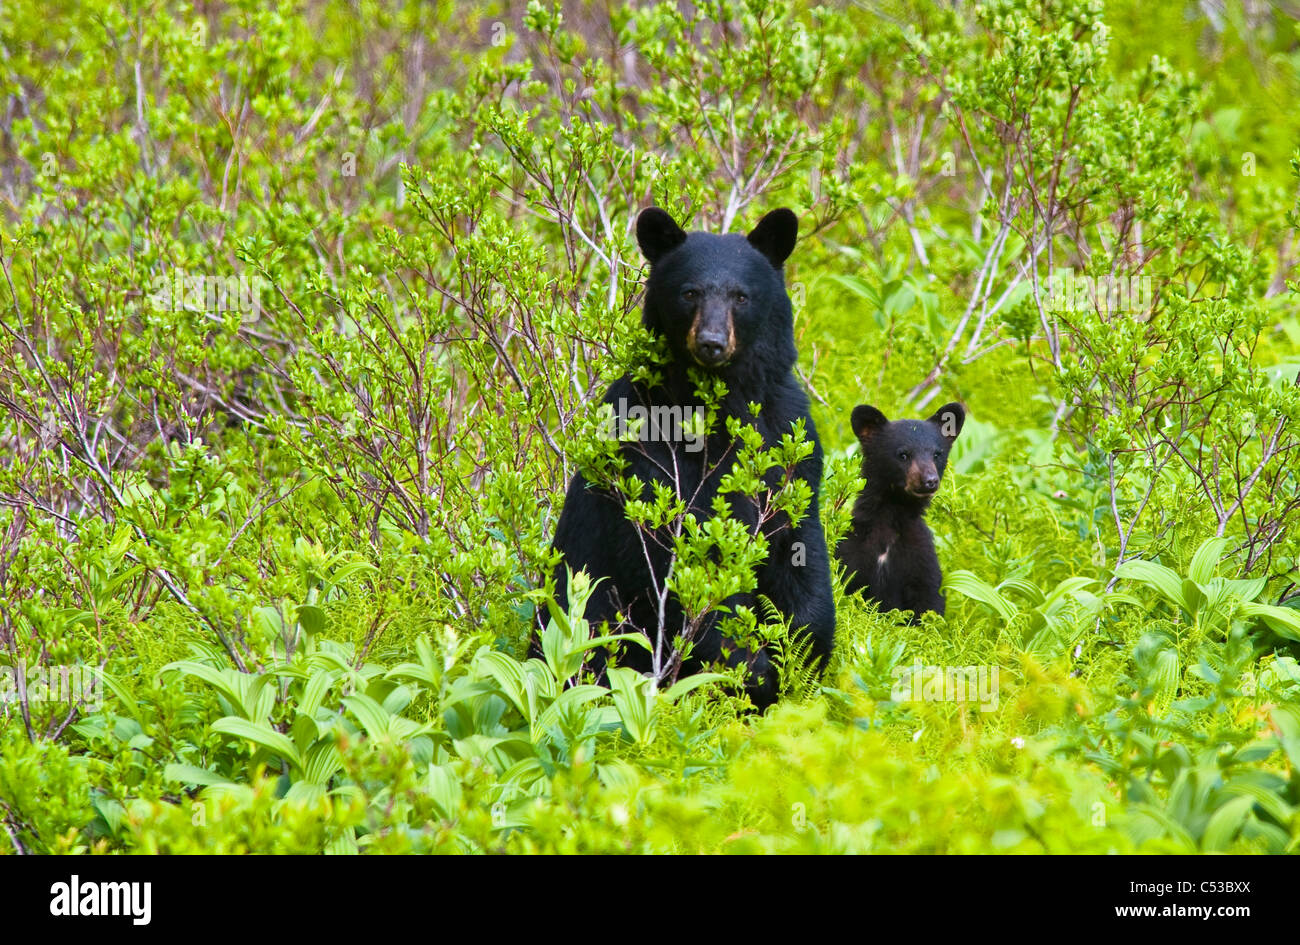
[889,552]
[720,303]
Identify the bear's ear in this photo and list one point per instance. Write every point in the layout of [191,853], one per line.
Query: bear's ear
[775,235]
[657,234]
[949,419]
[867,421]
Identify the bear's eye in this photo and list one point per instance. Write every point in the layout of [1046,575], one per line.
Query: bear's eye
[740,298]
[904,455]
[939,454]
[690,295]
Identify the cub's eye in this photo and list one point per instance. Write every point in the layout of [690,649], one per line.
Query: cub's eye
[690,295]
[740,298]
[904,455]
[939,454]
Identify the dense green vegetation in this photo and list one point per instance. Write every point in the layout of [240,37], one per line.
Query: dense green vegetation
[303,316]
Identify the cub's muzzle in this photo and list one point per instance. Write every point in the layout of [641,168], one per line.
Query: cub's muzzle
[922,480]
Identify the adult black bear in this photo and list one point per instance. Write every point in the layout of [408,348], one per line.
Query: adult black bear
[889,552]
[720,303]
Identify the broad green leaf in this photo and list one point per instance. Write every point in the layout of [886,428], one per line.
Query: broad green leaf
[374,720]
[1284,621]
[1170,827]
[634,699]
[276,742]
[1028,589]
[311,618]
[509,675]
[444,790]
[1224,825]
[1205,562]
[1165,677]
[1268,800]
[313,694]
[1157,577]
[966,583]
[124,698]
[112,811]
[322,763]
[225,681]
[689,684]
[1195,597]
[345,844]
[341,575]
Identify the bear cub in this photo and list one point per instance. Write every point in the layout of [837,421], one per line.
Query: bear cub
[889,553]
[720,303]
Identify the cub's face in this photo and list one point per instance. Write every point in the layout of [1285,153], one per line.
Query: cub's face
[906,458]
[715,296]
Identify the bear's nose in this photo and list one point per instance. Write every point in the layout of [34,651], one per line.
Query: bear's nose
[711,349]
[931,483]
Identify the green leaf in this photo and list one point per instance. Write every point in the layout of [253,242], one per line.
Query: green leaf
[222,680]
[1224,825]
[1267,799]
[276,742]
[374,720]
[313,694]
[123,697]
[444,790]
[689,684]
[1157,577]
[311,618]
[1165,677]
[1195,597]
[568,700]
[1284,621]
[1025,587]
[508,673]
[1170,827]
[966,583]
[1206,560]
[634,700]
[323,762]
[341,575]
[112,811]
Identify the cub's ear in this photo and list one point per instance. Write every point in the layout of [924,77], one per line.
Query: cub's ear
[867,421]
[774,236]
[949,419]
[657,234]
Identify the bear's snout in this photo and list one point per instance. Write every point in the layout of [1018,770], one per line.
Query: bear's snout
[712,338]
[922,480]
